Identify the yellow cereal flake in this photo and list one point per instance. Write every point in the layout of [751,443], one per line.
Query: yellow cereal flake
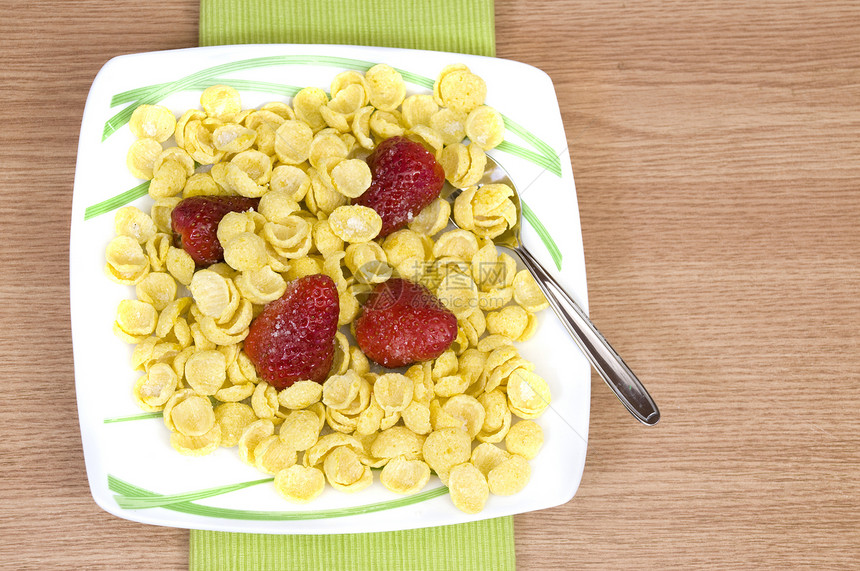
[487,210]
[264,401]
[253,434]
[351,177]
[132,222]
[300,430]
[485,127]
[462,90]
[168,179]
[416,417]
[345,472]
[355,224]
[306,105]
[180,265]
[450,124]
[153,390]
[527,293]
[468,411]
[233,418]
[404,476]
[386,124]
[193,416]
[459,293]
[152,121]
[417,109]
[468,488]
[221,102]
[528,394]
[206,371]
[136,318]
[386,88]
[293,142]
[157,289]
[301,394]
[200,445]
[211,292]
[445,448]
[460,244]
[233,138]
[272,455]
[433,219]
[509,476]
[141,157]
[487,456]
[510,321]
[261,286]
[340,390]
[299,484]
[525,438]
[246,252]
[397,441]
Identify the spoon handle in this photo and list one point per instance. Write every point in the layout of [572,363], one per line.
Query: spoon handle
[600,353]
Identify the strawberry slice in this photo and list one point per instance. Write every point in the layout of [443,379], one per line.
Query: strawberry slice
[402,323]
[293,337]
[405,178]
[195,224]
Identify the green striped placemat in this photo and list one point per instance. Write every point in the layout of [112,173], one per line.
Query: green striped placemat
[460,26]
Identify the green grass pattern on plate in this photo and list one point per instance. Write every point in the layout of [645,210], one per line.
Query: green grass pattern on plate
[115,202]
[142,416]
[182,505]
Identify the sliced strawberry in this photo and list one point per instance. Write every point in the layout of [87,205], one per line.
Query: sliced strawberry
[402,323]
[195,223]
[293,338]
[405,178]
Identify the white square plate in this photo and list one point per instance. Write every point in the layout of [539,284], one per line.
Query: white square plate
[129,454]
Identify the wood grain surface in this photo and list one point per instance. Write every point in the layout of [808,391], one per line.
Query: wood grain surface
[716,151]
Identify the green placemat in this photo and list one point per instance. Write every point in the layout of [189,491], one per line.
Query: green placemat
[460,26]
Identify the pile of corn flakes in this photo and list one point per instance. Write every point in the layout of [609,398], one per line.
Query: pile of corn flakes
[468,415]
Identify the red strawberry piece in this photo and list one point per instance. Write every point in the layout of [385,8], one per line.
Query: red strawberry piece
[195,223]
[402,323]
[293,337]
[405,178]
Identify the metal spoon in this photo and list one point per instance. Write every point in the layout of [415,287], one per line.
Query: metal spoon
[599,352]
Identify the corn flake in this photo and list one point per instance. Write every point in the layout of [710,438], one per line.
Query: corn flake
[445,448]
[299,484]
[152,121]
[487,456]
[404,476]
[300,430]
[509,476]
[272,455]
[397,441]
[525,438]
[206,371]
[253,434]
[468,488]
[192,416]
[485,127]
[141,157]
[233,418]
[528,394]
[386,88]
[201,445]
[355,224]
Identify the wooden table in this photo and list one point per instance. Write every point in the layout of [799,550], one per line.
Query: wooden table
[716,150]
